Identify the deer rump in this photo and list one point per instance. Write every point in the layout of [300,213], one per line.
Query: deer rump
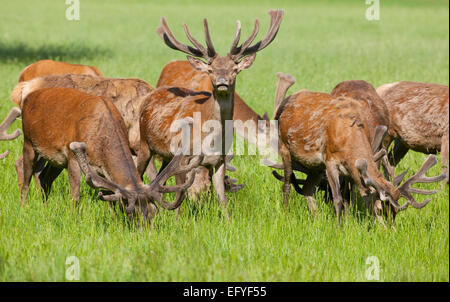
[419,114]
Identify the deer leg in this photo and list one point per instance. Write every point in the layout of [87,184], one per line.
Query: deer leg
[19,171]
[28,160]
[143,159]
[40,165]
[202,183]
[180,179]
[47,177]
[444,155]
[333,180]
[398,152]
[347,188]
[151,169]
[74,171]
[219,182]
[309,188]
[287,164]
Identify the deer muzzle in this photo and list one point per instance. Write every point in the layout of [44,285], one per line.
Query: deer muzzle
[222,84]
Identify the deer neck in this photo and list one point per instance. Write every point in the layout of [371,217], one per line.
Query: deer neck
[224,103]
[224,107]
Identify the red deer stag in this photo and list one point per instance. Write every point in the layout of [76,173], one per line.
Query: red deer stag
[85,133]
[168,104]
[419,120]
[13,114]
[323,133]
[183,74]
[46,67]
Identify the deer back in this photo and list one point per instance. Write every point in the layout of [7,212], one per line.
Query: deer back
[365,93]
[126,94]
[168,104]
[79,117]
[46,67]
[419,113]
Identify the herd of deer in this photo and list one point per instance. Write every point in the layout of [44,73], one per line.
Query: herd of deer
[111,130]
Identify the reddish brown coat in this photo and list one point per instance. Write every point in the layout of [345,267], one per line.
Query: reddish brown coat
[46,67]
[419,114]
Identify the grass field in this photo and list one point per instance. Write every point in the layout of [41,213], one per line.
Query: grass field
[321,43]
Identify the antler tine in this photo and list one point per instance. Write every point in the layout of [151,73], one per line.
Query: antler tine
[92,178]
[275,22]
[233,48]
[168,38]
[240,50]
[380,133]
[211,51]
[175,167]
[379,155]
[12,115]
[197,44]
[420,177]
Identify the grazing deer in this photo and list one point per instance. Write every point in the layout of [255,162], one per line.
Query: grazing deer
[127,95]
[46,67]
[376,116]
[324,133]
[13,114]
[419,120]
[168,104]
[86,133]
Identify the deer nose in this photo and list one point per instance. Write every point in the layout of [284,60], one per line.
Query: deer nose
[222,83]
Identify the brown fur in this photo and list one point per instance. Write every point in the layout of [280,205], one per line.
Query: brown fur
[164,105]
[46,67]
[419,114]
[365,93]
[127,95]
[321,133]
[76,117]
[182,74]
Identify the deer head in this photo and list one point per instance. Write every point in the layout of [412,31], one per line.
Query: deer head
[391,192]
[222,70]
[149,193]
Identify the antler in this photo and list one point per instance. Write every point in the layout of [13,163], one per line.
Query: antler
[175,167]
[13,114]
[98,182]
[245,49]
[285,81]
[419,177]
[208,53]
[380,133]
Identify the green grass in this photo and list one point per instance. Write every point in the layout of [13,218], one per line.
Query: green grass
[321,43]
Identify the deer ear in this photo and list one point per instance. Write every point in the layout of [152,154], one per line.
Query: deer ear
[246,62]
[198,64]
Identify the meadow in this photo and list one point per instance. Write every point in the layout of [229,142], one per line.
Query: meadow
[320,43]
